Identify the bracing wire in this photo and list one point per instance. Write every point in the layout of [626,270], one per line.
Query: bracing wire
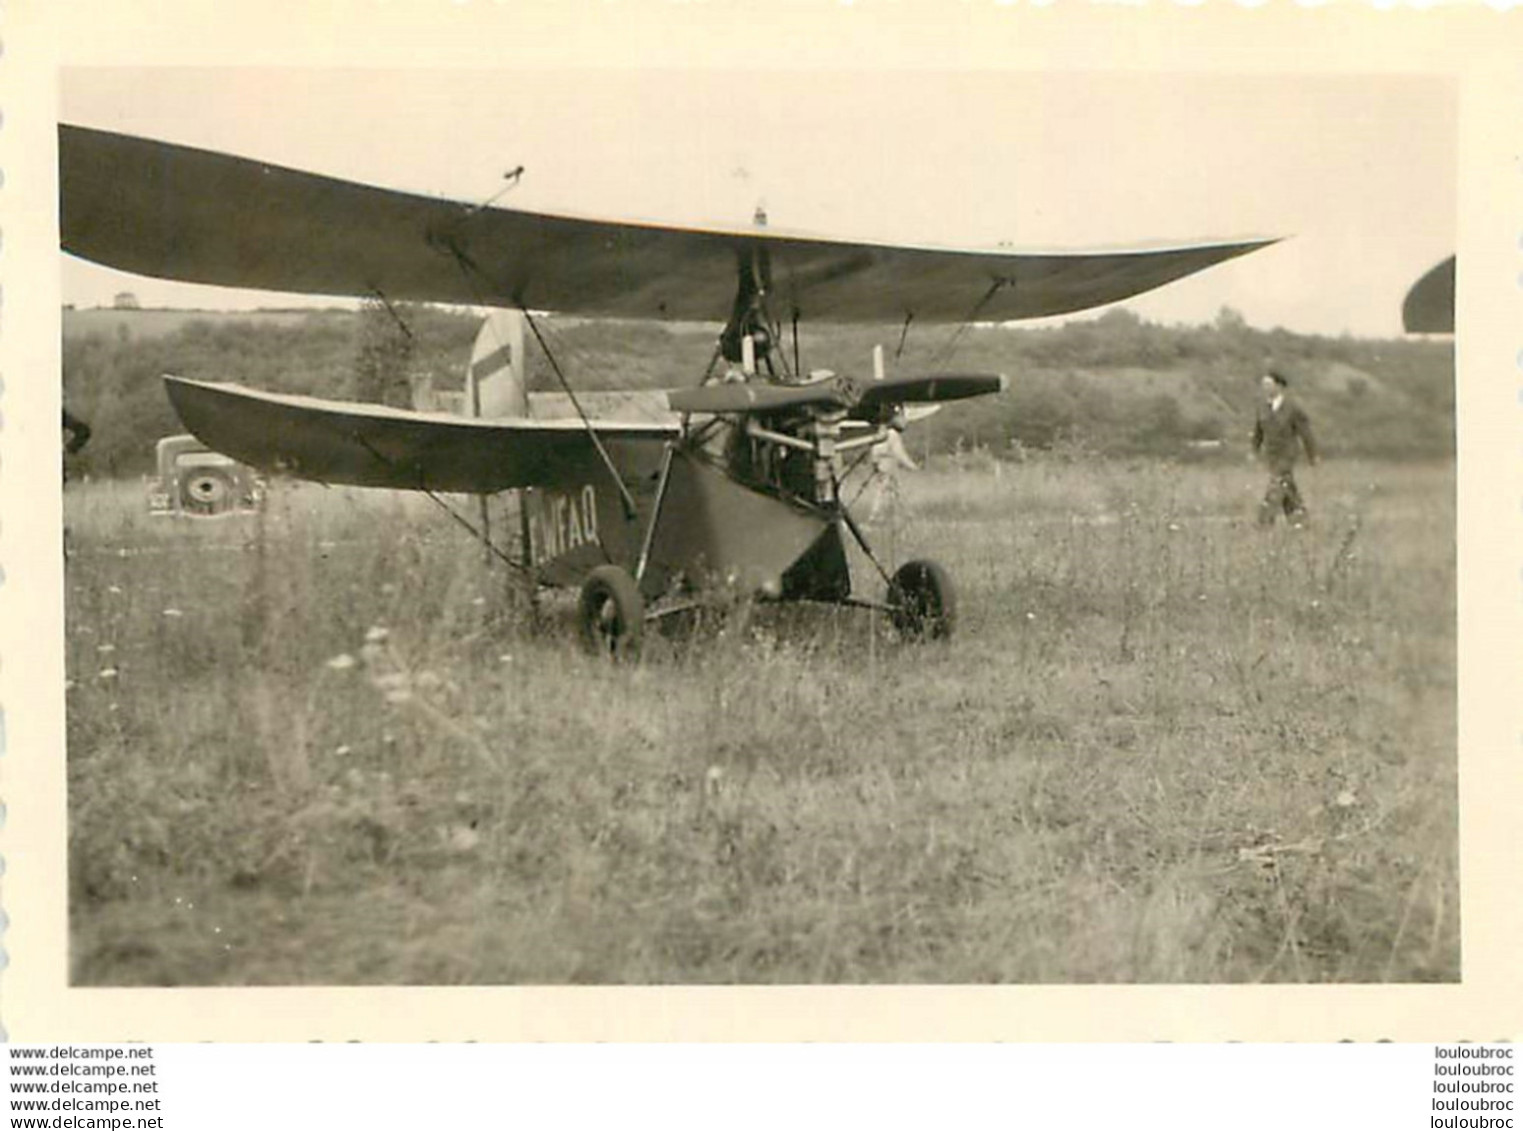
[396,315]
[484,539]
[467,266]
[946,351]
[904,333]
[592,433]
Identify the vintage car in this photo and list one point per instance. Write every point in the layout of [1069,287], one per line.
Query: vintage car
[193,480]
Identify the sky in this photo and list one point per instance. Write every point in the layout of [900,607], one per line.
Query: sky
[1357,172]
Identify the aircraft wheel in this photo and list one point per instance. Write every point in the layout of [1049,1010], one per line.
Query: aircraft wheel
[613,613]
[921,602]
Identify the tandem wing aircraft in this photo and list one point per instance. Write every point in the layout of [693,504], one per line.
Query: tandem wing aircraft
[1429,305]
[740,487]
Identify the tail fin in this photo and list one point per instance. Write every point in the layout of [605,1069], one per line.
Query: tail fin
[496,384]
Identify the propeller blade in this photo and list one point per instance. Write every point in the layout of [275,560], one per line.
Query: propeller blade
[930,388]
[837,391]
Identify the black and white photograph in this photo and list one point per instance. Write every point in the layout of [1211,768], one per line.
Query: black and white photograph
[588,528]
[538,525]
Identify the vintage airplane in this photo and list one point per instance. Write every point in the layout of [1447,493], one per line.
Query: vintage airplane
[740,489]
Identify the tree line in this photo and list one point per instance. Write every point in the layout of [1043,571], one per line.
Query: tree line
[1116,385]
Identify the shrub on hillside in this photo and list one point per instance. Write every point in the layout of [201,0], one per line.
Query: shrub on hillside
[1118,384]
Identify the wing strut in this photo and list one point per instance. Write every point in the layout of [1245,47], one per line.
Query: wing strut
[483,538]
[592,433]
[751,317]
[962,327]
[467,267]
[392,310]
[904,333]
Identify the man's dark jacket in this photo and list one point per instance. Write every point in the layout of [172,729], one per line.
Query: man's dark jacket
[1280,432]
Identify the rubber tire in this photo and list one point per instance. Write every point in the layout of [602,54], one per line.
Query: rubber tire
[612,613]
[218,491]
[922,603]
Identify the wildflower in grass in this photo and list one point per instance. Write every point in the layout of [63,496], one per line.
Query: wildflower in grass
[463,838]
[342,662]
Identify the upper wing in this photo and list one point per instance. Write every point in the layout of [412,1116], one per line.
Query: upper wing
[371,446]
[1429,306]
[170,211]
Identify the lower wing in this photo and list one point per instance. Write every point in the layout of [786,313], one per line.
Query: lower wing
[371,446]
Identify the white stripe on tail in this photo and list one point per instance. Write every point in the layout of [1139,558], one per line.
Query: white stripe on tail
[496,382]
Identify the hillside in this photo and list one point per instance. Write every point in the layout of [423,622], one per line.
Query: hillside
[1114,386]
[134,322]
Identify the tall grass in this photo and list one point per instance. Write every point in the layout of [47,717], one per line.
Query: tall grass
[328,744]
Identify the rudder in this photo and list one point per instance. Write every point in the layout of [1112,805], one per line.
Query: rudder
[496,382]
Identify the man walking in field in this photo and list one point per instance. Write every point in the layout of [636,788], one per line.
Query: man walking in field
[1279,434]
[889,457]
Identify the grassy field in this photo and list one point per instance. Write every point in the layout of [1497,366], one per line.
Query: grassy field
[324,745]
